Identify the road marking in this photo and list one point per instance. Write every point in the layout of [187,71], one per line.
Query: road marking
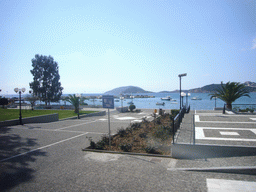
[229,133]
[227,122]
[75,125]
[199,132]
[254,119]
[197,119]
[214,185]
[46,146]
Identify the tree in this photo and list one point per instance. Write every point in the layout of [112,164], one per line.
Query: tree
[230,92]
[74,100]
[3,102]
[46,85]
[32,100]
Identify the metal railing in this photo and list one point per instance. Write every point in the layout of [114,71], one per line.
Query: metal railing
[241,108]
[178,119]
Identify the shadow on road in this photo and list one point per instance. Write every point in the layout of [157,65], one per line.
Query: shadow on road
[14,171]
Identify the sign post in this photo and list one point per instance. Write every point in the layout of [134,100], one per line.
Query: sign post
[108,102]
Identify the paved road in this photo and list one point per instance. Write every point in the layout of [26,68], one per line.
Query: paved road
[48,157]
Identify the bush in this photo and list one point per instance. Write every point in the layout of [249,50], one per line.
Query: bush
[175,112]
[122,132]
[151,150]
[125,147]
[132,107]
[162,132]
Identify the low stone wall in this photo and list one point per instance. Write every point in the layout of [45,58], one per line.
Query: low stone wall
[187,151]
[37,119]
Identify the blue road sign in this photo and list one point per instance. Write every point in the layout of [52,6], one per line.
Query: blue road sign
[108,101]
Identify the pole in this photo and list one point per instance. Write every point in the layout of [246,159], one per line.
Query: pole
[109,137]
[20,109]
[180,92]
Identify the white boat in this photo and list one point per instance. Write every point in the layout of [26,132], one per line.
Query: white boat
[160,103]
[131,103]
[168,98]
[196,98]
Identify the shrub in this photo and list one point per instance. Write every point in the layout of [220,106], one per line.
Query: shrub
[150,149]
[125,147]
[132,107]
[175,112]
[122,132]
[162,132]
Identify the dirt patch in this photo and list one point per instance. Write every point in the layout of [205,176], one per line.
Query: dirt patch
[153,137]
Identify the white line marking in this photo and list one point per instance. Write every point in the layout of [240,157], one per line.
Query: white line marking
[254,119]
[75,125]
[43,147]
[214,185]
[197,119]
[229,133]
[227,122]
[200,135]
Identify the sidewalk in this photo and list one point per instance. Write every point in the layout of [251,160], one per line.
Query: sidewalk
[185,132]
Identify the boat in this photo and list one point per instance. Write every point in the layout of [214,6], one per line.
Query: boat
[160,103]
[196,98]
[174,102]
[131,103]
[168,98]
[116,100]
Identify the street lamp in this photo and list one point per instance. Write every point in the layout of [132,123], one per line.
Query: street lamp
[20,90]
[181,75]
[78,95]
[182,95]
[187,95]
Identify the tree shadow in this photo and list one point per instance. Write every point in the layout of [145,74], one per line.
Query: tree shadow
[15,157]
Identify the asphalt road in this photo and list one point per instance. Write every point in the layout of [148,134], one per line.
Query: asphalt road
[48,157]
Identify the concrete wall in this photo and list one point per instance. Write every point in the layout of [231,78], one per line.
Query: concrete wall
[187,151]
[37,119]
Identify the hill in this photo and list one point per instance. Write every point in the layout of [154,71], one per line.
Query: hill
[126,90]
[251,86]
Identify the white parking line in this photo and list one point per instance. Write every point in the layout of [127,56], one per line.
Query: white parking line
[199,134]
[43,147]
[197,119]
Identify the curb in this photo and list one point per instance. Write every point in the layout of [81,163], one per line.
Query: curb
[126,153]
[101,113]
[251,170]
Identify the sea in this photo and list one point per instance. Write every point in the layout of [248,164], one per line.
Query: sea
[150,103]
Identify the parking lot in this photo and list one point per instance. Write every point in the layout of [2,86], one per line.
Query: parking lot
[213,127]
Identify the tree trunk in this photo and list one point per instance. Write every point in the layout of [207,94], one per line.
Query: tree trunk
[229,106]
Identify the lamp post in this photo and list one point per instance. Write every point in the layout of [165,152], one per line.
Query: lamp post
[20,90]
[78,95]
[182,95]
[122,99]
[187,95]
[181,75]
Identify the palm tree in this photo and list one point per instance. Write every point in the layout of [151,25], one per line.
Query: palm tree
[230,92]
[74,101]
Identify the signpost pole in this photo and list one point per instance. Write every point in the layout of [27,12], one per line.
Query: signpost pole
[109,137]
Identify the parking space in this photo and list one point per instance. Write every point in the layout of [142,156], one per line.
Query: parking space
[228,129]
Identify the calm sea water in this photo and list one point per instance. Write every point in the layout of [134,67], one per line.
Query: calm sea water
[150,103]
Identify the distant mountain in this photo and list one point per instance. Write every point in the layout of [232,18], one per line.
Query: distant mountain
[251,86]
[126,90]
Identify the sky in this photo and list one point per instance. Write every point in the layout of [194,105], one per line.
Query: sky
[100,45]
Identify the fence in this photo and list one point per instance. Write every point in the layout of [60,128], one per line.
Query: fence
[241,108]
[178,119]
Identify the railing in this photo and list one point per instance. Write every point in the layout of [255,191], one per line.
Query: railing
[178,119]
[241,108]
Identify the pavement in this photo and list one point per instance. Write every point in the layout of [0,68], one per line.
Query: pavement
[49,157]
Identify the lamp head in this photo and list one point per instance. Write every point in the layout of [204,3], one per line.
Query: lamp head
[16,90]
[183,74]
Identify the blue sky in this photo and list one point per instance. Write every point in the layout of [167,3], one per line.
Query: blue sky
[103,44]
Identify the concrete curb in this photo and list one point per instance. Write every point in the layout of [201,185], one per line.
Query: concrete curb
[126,153]
[251,170]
